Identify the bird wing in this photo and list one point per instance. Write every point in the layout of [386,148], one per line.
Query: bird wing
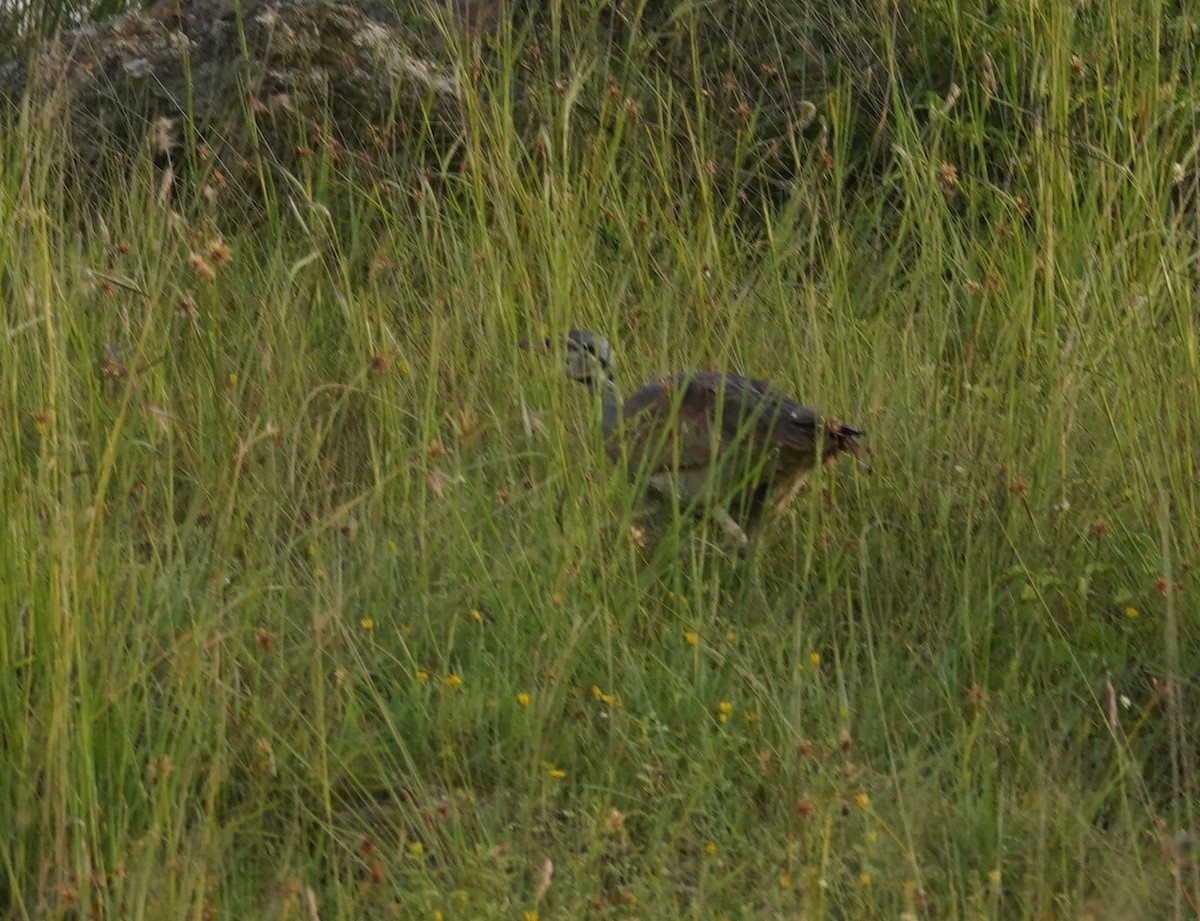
[753,409]
[686,421]
[776,420]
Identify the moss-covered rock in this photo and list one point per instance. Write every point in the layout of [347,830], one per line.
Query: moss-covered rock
[248,75]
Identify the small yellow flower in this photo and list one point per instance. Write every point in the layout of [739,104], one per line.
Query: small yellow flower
[416,848]
[393,546]
[814,658]
[863,800]
[437,916]
[367,624]
[531,916]
[710,848]
[312,550]
[422,675]
[730,637]
[724,708]
[523,699]
[1131,613]
[994,877]
[318,573]
[475,615]
[865,879]
[454,681]
[843,712]
[691,638]
[596,692]
[872,836]
[785,881]
[233,379]
[558,598]
[557,773]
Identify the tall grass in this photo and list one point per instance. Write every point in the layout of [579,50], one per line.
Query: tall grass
[323,601]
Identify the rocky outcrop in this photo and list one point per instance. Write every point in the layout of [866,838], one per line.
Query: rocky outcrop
[243,73]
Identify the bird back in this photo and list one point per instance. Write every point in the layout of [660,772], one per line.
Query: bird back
[691,419]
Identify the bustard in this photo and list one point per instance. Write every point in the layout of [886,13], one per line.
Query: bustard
[708,430]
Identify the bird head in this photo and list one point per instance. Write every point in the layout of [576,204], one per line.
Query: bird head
[588,357]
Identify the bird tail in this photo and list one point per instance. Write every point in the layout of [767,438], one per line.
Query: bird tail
[844,437]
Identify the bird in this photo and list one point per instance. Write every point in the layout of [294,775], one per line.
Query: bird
[696,431]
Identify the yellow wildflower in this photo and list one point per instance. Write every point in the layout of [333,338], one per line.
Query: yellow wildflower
[367,623]
[454,681]
[523,699]
[691,638]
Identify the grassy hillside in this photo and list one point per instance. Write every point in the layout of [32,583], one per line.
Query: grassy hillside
[321,601]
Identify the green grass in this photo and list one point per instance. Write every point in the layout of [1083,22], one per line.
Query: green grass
[320,597]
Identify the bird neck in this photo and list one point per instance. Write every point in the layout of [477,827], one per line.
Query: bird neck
[610,401]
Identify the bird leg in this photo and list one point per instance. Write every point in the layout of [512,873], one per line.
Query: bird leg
[731,528]
[785,498]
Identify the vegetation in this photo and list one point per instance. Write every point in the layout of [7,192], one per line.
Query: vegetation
[322,602]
